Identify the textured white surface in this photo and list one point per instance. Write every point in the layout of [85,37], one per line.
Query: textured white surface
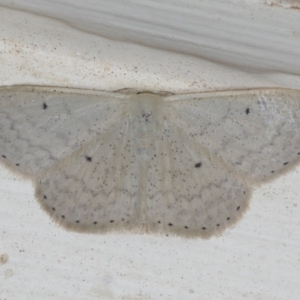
[259,258]
[226,45]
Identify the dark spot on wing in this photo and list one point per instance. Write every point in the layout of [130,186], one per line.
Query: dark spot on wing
[203,228]
[186,227]
[286,163]
[45,197]
[53,208]
[238,208]
[95,222]
[228,219]
[111,221]
[198,165]
[63,216]
[88,158]
[77,221]
[247,110]
[3,156]
[17,165]
[45,105]
[170,224]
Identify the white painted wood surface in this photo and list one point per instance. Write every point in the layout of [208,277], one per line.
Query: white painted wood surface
[177,46]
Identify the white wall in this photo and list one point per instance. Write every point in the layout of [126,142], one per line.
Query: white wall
[177,46]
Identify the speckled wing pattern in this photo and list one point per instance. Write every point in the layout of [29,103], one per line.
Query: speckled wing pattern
[183,164]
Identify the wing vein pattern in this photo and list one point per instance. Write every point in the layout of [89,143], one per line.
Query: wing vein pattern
[182,164]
